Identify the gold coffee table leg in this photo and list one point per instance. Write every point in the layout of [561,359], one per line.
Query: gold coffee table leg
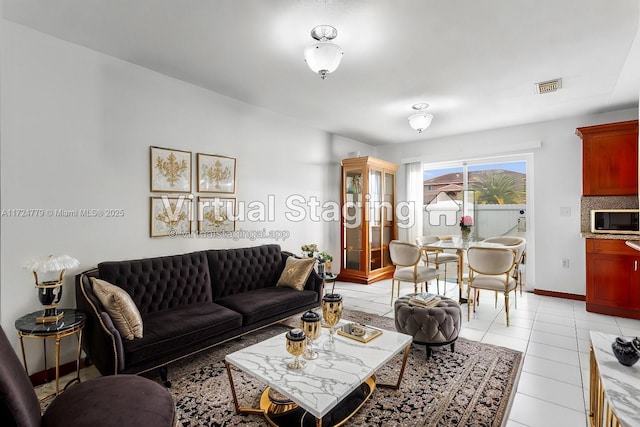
[404,363]
[239,409]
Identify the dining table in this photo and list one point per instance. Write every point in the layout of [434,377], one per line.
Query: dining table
[461,246]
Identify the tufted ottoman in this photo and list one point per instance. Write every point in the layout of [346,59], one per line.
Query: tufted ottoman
[434,326]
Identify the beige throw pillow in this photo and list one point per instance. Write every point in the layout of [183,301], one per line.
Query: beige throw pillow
[123,311]
[295,273]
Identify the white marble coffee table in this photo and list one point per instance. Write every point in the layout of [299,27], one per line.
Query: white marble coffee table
[325,381]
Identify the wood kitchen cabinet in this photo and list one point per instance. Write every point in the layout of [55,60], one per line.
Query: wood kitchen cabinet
[613,278]
[610,159]
[368,219]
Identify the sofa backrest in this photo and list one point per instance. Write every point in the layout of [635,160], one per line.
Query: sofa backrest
[163,282]
[244,269]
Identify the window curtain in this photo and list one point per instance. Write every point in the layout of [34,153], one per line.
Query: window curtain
[415,194]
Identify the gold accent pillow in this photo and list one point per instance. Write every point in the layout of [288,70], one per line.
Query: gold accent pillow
[123,311]
[296,272]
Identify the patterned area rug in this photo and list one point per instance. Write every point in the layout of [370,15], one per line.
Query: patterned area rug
[471,387]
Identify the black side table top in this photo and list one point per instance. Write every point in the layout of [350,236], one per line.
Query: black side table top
[72,319]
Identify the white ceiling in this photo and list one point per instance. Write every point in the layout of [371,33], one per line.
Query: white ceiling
[474,61]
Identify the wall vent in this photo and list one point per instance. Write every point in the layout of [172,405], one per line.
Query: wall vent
[549,86]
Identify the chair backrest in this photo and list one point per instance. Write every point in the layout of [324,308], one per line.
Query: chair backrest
[404,253]
[423,240]
[19,404]
[513,242]
[491,260]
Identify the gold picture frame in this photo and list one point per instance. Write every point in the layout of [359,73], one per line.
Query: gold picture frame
[170,216]
[216,214]
[170,170]
[216,174]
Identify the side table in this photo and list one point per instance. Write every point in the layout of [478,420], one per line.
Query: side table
[71,323]
[328,278]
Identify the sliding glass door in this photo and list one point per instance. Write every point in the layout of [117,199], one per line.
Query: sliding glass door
[489,193]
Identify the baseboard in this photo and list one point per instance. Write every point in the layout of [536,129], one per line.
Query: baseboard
[559,295]
[49,375]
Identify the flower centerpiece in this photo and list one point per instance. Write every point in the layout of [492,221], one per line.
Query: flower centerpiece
[466,222]
[309,250]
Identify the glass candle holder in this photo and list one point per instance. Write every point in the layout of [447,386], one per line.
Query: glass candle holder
[331,312]
[296,345]
[312,328]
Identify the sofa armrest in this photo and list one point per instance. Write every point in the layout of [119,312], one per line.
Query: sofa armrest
[98,340]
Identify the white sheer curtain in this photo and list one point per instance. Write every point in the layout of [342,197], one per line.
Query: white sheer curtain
[415,194]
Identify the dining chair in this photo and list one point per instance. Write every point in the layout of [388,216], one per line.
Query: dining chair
[520,245]
[406,257]
[491,269]
[437,257]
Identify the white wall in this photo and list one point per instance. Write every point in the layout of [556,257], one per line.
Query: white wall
[557,182]
[76,131]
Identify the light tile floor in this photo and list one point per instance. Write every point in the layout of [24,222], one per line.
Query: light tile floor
[553,333]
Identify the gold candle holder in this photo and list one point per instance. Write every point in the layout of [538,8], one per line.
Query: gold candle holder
[331,312]
[296,345]
[312,328]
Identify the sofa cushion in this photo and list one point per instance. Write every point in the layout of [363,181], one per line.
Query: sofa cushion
[161,283]
[296,272]
[181,327]
[124,313]
[255,306]
[235,271]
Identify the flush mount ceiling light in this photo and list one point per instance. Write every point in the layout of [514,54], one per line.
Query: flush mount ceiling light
[420,120]
[324,56]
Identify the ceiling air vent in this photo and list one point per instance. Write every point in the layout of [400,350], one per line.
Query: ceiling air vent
[549,86]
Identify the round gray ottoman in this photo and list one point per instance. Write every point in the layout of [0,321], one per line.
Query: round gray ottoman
[434,326]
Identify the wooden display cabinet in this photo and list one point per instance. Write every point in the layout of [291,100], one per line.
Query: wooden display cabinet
[368,219]
[613,278]
[610,159]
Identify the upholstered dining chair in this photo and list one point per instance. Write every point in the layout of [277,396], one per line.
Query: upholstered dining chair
[436,257]
[520,245]
[112,401]
[406,257]
[490,269]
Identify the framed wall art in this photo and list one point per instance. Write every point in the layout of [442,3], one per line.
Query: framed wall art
[216,214]
[170,216]
[216,174]
[170,170]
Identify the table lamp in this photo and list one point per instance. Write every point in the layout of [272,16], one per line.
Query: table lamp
[50,291]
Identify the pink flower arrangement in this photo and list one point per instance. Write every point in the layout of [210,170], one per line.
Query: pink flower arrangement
[466,221]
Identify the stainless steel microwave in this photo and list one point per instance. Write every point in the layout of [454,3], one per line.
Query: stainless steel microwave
[615,221]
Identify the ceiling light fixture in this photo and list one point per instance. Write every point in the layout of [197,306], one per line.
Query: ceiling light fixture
[324,56]
[420,120]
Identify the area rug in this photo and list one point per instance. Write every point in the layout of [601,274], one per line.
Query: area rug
[472,386]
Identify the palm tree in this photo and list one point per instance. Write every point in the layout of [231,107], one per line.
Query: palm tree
[498,188]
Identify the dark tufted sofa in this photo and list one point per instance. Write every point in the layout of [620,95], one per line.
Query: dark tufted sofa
[188,303]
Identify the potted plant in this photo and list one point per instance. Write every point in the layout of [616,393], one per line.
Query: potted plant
[309,250]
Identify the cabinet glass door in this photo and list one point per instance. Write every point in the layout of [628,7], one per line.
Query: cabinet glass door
[375,218]
[352,228]
[387,217]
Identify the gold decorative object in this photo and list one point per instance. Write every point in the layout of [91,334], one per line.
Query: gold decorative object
[216,174]
[296,345]
[331,313]
[50,291]
[312,328]
[170,170]
[359,332]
